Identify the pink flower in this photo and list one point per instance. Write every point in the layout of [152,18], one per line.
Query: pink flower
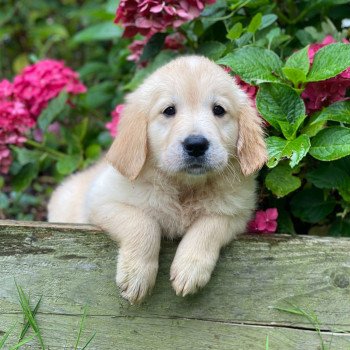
[136,49]
[264,221]
[113,125]
[6,90]
[22,102]
[250,90]
[43,81]
[323,93]
[147,17]
[15,120]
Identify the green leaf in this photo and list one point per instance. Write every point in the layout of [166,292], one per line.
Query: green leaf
[93,151]
[282,107]
[255,23]
[102,31]
[331,143]
[54,31]
[299,60]
[25,156]
[254,65]
[212,49]
[295,75]
[267,20]
[20,62]
[280,180]
[312,127]
[327,175]
[4,203]
[341,227]
[329,62]
[54,108]
[345,194]
[338,112]
[99,94]
[244,39]
[310,205]
[273,34]
[344,164]
[297,66]
[279,148]
[66,165]
[25,176]
[94,68]
[153,47]
[81,129]
[285,222]
[235,32]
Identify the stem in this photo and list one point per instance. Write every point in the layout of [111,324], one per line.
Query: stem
[48,150]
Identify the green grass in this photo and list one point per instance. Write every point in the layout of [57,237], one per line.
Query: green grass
[311,317]
[30,323]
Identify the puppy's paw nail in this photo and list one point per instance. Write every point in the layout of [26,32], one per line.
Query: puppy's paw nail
[136,279]
[193,275]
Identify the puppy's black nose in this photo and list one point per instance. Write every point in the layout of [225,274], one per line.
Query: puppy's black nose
[196,145]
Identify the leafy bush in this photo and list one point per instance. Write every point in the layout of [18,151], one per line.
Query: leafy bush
[290,56]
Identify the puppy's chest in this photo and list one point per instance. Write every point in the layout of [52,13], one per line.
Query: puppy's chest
[175,213]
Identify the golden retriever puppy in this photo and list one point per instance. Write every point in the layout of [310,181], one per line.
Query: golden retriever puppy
[182,165]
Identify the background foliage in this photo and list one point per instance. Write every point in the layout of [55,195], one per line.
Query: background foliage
[265,42]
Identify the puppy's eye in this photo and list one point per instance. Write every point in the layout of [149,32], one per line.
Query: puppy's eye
[169,111]
[218,111]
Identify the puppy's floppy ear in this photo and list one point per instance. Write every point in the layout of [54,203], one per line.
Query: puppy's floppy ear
[251,147]
[128,151]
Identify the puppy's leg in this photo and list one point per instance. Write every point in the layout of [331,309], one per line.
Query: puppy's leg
[139,238]
[199,250]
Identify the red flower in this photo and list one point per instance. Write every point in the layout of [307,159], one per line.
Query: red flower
[264,221]
[43,81]
[148,17]
[323,93]
[136,49]
[113,125]
[250,90]
[174,41]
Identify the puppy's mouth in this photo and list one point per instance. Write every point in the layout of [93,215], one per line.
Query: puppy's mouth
[196,167]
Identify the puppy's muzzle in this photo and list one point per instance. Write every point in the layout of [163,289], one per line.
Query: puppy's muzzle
[195,148]
[196,145]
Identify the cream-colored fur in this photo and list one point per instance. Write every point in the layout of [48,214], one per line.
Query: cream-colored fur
[142,191]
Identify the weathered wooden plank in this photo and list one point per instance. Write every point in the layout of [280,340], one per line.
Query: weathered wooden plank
[138,333]
[73,267]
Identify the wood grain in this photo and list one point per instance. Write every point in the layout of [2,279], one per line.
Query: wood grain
[74,266]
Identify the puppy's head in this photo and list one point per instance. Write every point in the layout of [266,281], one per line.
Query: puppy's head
[190,118]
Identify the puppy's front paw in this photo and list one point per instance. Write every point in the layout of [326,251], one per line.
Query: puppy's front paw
[189,274]
[135,278]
